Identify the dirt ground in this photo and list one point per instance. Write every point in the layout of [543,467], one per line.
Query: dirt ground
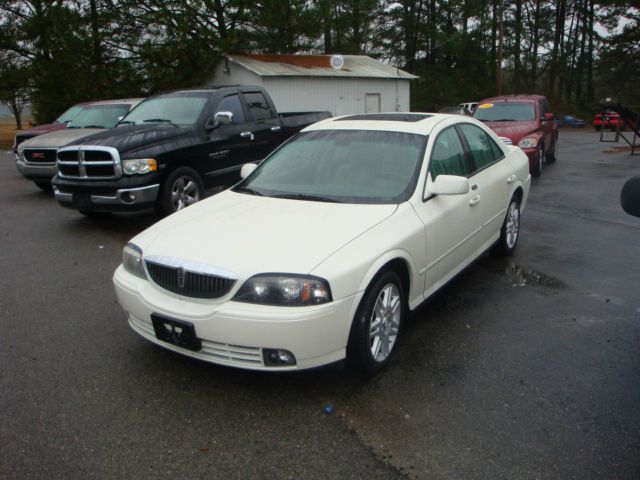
[7,132]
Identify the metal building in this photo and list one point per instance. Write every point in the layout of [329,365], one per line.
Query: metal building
[342,84]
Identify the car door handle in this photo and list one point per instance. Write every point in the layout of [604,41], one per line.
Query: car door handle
[247,135]
[275,129]
[474,201]
[511,179]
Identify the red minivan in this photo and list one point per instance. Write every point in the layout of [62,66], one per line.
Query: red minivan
[525,121]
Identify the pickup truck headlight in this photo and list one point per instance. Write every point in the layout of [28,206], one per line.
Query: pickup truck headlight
[284,290]
[528,143]
[132,260]
[140,166]
[20,154]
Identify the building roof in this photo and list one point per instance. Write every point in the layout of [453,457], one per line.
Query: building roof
[317,66]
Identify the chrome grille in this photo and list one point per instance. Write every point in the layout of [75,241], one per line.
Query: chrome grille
[91,162]
[40,156]
[182,281]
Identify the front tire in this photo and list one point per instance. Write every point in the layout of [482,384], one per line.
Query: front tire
[181,189]
[510,231]
[377,324]
[536,171]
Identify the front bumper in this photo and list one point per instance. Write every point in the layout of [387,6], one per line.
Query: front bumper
[532,155]
[235,334]
[36,172]
[126,194]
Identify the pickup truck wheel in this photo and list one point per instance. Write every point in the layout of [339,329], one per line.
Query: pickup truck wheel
[377,323]
[181,189]
[552,156]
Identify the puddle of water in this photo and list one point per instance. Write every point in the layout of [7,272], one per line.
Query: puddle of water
[522,277]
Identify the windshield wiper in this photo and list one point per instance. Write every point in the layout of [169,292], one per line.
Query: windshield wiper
[127,122]
[92,126]
[160,120]
[248,190]
[503,120]
[303,196]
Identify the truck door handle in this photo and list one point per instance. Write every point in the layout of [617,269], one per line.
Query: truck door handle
[474,201]
[275,129]
[511,179]
[247,135]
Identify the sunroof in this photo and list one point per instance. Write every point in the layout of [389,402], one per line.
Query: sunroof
[389,117]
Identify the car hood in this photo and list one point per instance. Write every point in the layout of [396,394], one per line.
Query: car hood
[150,139]
[247,234]
[59,138]
[512,130]
[41,129]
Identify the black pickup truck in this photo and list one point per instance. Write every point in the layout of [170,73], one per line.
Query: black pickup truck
[172,147]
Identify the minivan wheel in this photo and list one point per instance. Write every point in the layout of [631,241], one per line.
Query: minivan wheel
[536,171]
[377,323]
[181,189]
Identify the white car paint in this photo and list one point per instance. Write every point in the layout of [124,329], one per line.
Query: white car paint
[436,236]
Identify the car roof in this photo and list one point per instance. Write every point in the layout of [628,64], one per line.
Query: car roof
[128,101]
[521,97]
[407,122]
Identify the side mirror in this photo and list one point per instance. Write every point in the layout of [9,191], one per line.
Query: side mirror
[630,196]
[247,169]
[548,116]
[220,118]
[447,185]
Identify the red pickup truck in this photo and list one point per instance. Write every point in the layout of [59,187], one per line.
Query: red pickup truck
[525,121]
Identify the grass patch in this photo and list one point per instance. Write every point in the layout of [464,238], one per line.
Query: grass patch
[8,131]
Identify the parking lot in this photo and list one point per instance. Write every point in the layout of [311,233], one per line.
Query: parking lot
[521,368]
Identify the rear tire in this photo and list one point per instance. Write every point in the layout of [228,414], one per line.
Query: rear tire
[553,155]
[377,323]
[510,231]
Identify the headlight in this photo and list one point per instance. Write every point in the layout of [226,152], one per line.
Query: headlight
[21,153]
[139,166]
[284,290]
[528,143]
[132,260]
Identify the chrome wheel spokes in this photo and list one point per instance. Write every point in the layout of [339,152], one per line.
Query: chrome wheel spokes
[513,224]
[385,322]
[184,193]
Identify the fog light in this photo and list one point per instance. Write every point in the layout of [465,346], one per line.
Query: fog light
[276,357]
[132,196]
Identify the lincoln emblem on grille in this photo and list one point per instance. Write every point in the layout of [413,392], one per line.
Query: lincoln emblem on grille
[180,273]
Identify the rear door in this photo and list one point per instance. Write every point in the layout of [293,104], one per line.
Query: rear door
[491,180]
[265,127]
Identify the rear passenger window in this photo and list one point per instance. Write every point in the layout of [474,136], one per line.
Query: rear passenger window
[483,148]
[232,104]
[258,106]
[448,157]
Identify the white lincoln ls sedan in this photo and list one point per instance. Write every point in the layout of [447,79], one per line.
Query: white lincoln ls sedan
[318,254]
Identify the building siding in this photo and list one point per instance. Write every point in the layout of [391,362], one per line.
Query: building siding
[340,96]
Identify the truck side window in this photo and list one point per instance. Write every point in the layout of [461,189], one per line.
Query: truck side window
[258,106]
[232,104]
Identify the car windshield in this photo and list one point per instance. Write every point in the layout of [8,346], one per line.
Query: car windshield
[99,116]
[347,166]
[180,109]
[69,114]
[505,112]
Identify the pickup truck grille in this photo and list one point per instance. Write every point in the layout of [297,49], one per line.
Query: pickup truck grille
[41,156]
[89,162]
[188,283]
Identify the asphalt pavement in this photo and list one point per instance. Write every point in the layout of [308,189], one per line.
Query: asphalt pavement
[525,368]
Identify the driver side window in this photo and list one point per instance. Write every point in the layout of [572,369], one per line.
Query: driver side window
[232,104]
[448,156]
